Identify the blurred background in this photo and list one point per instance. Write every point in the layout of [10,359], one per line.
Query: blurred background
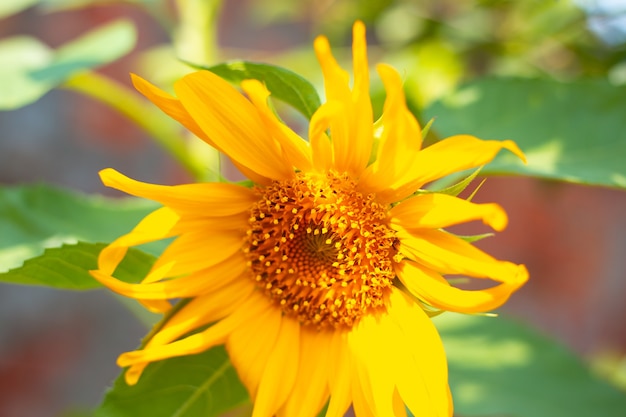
[58,349]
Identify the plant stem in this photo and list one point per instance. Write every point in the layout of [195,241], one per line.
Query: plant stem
[128,103]
[196,35]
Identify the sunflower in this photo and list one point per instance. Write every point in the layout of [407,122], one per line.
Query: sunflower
[320,279]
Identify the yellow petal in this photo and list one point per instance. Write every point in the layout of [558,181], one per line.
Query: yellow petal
[360,66]
[340,376]
[434,211]
[430,287]
[308,398]
[155,226]
[189,286]
[351,128]
[416,371]
[356,151]
[336,79]
[191,222]
[190,345]
[169,105]
[367,340]
[232,123]
[361,401]
[418,364]
[198,312]
[188,253]
[213,199]
[321,149]
[401,137]
[399,408]
[156,306]
[199,342]
[202,310]
[279,375]
[295,149]
[450,155]
[250,346]
[174,108]
[449,254]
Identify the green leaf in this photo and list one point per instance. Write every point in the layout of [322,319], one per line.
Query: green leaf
[501,368]
[67,267]
[284,85]
[93,49]
[36,217]
[33,69]
[572,131]
[202,385]
[20,56]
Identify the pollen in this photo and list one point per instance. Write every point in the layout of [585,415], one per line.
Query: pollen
[321,250]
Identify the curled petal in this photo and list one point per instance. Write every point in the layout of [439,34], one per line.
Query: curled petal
[188,252]
[450,155]
[160,224]
[155,226]
[174,108]
[188,286]
[199,342]
[214,199]
[351,128]
[435,211]
[436,291]
[448,254]
[232,123]
[199,312]
[336,79]
[322,119]
[169,105]
[202,310]
[295,149]
[400,141]
[356,152]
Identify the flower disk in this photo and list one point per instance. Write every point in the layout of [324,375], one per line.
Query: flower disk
[321,249]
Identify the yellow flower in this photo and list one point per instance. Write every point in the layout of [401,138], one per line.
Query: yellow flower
[318,277]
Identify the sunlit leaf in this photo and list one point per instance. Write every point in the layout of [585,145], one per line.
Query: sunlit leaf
[30,69]
[573,131]
[202,385]
[36,217]
[284,85]
[435,69]
[100,46]
[501,368]
[18,57]
[67,267]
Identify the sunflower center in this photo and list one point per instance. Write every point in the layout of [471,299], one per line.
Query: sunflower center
[320,249]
